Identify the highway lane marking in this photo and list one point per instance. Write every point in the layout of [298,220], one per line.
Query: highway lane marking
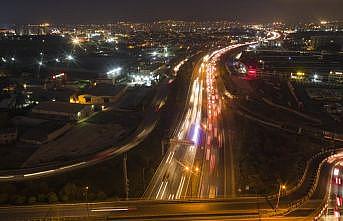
[164,189]
[110,209]
[179,189]
[159,190]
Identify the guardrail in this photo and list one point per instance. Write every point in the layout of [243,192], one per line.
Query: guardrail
[305,174]
[301,201]
[308,164]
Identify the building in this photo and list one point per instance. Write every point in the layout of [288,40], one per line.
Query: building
[327,42]
[8,102]
[45,132]
[103,95]
[8,135]
[62,110]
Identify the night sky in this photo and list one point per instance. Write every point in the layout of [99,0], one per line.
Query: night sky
[103,11]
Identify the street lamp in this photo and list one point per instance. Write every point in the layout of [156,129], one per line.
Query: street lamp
[193,171]
[282,187]
[114,72]
[86,196]
[76,41]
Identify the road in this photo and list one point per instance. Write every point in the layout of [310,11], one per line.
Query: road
[173,175]
[190,167]
[333,207]
[199,162]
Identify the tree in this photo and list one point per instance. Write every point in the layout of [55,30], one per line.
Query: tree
[71,191]
[41,197]
[19,199]
[52,197]
[32,199]
[63,197]
[3,198]
[101,195]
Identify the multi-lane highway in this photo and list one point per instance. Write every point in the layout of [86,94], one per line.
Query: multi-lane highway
[332,208]
[193,165]
[176,169]
[199,155]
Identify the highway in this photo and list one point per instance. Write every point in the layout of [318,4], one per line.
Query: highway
[173,175]
[332,209]
[199,154]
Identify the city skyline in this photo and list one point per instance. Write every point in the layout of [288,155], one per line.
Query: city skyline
[104,11]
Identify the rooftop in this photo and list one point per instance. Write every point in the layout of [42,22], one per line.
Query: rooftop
[103,90]
[56,106]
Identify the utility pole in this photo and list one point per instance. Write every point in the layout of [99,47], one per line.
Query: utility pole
[126,180]
[281,187]
[143,177]
[87,204]
[163,146]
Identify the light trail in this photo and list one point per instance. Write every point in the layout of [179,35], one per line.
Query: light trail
[179,190]
[200,125]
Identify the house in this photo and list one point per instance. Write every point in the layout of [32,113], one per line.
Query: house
[99,95]
[62,110]
[8,135]
[45,132]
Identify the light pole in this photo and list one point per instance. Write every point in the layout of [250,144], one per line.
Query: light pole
[87,205]
[281,187]
[192,172]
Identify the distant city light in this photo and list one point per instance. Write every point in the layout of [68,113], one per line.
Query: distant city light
[70,57]
[57,60]
[315,77]
[298,75]
[58,76]
[12,59]
[114,72]
[3,60]
[76,41]
[111,40]
[40,63]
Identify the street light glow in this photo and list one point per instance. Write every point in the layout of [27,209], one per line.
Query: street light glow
[70,57]
[76,41]
[114,72]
